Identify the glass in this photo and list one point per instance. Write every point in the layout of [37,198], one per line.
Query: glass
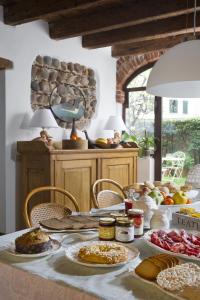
[140,113]
[128,204]
[180,139]
[140,80]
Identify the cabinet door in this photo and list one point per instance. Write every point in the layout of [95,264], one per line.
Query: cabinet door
[118,169]
[76,176]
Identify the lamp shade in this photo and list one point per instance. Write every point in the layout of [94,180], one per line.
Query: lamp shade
[43,118]
[177,73]
[115,123]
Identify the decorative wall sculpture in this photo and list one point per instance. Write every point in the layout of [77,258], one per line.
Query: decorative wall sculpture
[50,84]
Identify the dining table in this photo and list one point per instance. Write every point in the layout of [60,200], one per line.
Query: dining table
[55,277]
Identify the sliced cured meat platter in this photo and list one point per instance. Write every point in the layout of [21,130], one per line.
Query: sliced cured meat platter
[181,243]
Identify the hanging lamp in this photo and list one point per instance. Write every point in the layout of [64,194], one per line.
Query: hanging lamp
[177,73]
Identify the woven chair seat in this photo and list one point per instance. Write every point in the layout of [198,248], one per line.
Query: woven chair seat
[45,211]
[107,198]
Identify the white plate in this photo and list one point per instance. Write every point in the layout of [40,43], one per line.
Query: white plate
[72,254]
[67,230]
[56,246]
[176,207]
[147,238]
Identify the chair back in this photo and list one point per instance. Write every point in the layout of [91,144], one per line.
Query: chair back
[106,198]
[47,210]
[180,159]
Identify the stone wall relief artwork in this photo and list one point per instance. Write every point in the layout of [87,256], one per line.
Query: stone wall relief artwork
[68,88]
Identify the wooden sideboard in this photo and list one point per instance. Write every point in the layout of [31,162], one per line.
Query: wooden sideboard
[73,170]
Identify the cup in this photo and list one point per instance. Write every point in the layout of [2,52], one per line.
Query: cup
[128,204]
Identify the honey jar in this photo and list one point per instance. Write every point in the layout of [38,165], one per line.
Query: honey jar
[107,229]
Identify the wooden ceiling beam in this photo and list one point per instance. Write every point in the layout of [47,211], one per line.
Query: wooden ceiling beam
[143,32]
[148,46]
[128,13]
[23,11]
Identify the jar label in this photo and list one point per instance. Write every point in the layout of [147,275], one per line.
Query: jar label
[107,233]
[139,225]
[124,234]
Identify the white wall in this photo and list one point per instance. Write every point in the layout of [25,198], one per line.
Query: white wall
[21,44]
[193,109]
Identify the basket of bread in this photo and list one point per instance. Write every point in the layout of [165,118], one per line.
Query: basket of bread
[170,275]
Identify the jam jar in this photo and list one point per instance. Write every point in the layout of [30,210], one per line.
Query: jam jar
[137,215]
[107,229]
[124,230]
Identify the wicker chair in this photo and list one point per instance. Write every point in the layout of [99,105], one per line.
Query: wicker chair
[106,198]
[46,210]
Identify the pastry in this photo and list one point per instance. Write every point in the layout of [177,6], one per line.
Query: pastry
[103,253]
[157,183]
[164,189]
[149,184]
[186,188]
[34,241]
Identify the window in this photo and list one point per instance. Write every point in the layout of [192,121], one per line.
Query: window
[139,106]
[173,106]
[185,107]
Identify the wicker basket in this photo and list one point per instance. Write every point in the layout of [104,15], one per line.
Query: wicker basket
[193,177]
[70,144]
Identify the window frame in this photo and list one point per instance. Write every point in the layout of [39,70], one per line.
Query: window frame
[183,106]
[158,117]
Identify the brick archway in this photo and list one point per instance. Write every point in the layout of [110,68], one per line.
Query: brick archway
[128,65]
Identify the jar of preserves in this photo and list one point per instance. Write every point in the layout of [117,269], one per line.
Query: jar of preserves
[107,229]
[137,216]
[124,230]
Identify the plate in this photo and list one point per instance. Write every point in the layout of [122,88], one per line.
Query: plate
[147,238]
[56,246]
[67,230]
[72,254]
[176,207]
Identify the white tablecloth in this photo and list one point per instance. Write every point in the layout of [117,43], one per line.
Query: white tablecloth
[55,277]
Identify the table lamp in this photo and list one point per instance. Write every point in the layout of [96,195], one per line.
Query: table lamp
[43,118]
[117,124]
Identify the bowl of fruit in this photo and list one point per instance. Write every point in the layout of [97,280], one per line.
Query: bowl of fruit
[170,196]
[106,143]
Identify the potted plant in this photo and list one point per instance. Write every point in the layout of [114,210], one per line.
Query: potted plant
[147,144]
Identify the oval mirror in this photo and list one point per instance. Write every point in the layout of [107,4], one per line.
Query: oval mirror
[67,102]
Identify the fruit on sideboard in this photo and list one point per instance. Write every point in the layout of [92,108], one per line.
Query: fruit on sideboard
[180,198]
[101,141]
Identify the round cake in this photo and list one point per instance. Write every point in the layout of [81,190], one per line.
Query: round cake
[103,253]
[32,242]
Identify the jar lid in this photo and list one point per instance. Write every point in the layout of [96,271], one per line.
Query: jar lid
[135,211]
[118,215]
[107,221]
[124,221]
